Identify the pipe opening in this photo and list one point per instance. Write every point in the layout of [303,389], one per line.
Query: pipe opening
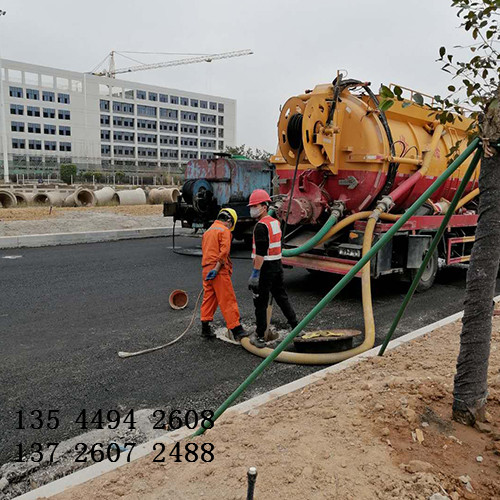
[7,200]
[178,299]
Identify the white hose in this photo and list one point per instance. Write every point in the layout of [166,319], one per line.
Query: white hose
[124,354]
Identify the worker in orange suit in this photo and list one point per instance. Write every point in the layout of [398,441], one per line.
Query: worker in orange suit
[217,270]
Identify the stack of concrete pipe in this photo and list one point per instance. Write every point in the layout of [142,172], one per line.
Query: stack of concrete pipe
[163,195]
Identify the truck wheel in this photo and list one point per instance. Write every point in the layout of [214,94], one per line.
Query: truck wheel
[429,275]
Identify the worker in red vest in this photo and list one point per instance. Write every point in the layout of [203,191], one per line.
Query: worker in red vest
[217,270]
[267,274]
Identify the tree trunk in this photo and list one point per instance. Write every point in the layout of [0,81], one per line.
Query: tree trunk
[471,384]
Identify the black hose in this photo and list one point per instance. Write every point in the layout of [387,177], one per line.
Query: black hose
[294,131]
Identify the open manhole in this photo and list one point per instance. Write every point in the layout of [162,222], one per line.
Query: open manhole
[326,341]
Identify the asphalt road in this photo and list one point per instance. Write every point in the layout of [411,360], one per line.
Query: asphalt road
[66,311]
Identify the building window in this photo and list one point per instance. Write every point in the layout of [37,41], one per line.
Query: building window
[16,109]
[32,94]
[17,126]
[194,103]
[35,144]
[124,151]
[189,129]
[64,130]
[203,104]
[149,124]
[169,153]
[140,94]
[122,121]
[189,155]
[49,129]
[189,116]
[63,114]
[15,92]
[104,119]
[63,99]
[105,149]
[210,131]
[163,97]
[50,145]
[169,140]
[207,118]
[174,99]
[49,113]
[65,146]
[221,120]
[18,144]
[34,128]
[146,110]
[104,105]
[153,96]
[105,135]
[221,132]
[152,139]
[220,107]
[169,127]
[149,152]
[123,136]
[32,111]
[169,113]
[221,145]
[213,105]
[207,143]
[48,96]
[189,142]
[184,101]
[123,107]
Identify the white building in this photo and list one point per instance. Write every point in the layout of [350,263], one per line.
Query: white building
[55,116]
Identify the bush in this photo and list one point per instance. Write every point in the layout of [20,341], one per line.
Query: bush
[67,173]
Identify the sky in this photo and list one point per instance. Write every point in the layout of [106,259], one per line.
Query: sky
[296,45]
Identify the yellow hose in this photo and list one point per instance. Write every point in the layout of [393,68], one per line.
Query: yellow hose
[334,357]
[467,198]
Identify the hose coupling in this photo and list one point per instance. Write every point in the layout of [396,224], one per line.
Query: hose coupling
[337,209]
[385,204]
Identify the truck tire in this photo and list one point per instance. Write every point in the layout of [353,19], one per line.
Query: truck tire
[429,275]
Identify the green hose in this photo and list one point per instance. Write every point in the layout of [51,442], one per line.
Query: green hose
[311,243]
[432,248]
[341,284]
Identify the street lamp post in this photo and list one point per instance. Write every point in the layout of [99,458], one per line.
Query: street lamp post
[4,124]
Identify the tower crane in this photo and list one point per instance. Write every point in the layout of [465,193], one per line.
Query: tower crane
[112,71]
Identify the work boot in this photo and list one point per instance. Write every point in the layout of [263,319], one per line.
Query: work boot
[239,332]
[206,330]
[258,342]
[293,324]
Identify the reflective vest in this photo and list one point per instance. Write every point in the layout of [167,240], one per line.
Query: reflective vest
[274,232]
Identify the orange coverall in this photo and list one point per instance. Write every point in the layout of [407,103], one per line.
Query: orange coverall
[215,246]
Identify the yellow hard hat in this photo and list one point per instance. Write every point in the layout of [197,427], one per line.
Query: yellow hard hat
[233,215]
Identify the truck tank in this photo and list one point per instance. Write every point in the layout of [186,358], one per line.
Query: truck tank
[342,148]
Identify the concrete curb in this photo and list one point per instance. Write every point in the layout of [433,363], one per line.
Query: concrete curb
[97,470]
[43,240]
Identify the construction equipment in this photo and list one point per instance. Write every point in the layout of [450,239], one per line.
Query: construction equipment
[112,71]
[224,182]
[340,157]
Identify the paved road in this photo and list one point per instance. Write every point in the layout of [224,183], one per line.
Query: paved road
[66,311]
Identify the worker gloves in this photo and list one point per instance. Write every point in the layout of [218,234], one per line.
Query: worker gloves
[253,282]
[211,275]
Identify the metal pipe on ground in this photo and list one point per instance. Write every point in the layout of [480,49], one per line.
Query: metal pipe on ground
[106,195]
[163,195]
[52,198]
[7,199]
[132,197]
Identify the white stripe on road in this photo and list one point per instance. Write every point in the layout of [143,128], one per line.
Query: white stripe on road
[12,257]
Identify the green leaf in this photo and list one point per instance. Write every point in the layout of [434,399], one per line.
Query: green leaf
[397,91]
[406,104]
[418,98]
[386,91]
[442,52]
[451,88]
[385,104]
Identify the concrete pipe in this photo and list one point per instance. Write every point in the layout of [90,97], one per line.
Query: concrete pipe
[7,199]
[106,195]
[23,198]
[132,197]
[80,198]
[52,198]
[163,195]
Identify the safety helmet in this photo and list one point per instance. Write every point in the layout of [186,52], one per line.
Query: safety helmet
[232,213]
[258,196]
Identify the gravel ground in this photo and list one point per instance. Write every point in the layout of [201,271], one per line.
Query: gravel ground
[40,220]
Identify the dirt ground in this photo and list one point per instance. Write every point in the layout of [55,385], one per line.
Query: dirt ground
[380,429]
[43,220]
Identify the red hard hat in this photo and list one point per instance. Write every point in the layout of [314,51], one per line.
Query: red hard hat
[258,196]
